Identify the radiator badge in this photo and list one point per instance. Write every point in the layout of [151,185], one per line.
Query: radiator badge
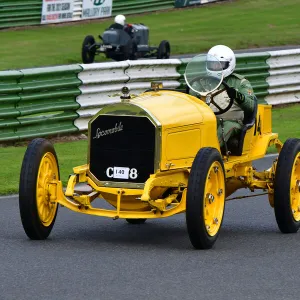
[100,133]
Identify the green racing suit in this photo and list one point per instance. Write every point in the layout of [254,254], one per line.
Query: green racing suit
[244,102]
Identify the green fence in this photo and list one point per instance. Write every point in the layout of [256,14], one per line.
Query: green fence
[28,12]
[20,12]
[9,97]
[41,102]
[253,66]
[38,102]
[140,6]
[184,3]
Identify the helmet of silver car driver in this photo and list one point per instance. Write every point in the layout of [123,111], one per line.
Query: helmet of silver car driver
[120,19]
[225,56]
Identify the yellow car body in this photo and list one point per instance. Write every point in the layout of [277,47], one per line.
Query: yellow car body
[184,124]
[172,137]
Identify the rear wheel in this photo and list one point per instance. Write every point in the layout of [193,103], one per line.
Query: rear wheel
[134,49]
[164,50]
[39,167]
[136,221]
[127,50]
[287,187]
[205,201]
[88,50]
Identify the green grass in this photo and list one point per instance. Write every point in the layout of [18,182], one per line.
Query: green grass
[286,121]
[239,24]
[71,154]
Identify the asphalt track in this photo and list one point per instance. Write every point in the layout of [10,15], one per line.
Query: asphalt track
[98,258]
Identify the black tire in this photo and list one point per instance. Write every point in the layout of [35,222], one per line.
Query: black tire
[87,53]
[39,154]
[207,165]
[164,50]
[287,186]
[127,50]
[136,221]
[134,50]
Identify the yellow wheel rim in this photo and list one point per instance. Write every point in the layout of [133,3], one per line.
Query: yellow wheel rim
[48,171]
[214,201]
[295,189]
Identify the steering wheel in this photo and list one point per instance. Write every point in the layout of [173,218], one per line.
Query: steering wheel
[204,80]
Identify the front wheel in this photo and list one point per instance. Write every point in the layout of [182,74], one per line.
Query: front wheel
[287,187]
[164,50]
[205,201]
[88,50]
[39,168]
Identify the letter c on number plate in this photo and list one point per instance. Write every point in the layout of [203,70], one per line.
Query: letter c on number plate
[110,172]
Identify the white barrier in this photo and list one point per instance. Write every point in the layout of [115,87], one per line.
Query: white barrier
[142,72]
[99,82]
[77,11]
[284,79]
[102,82]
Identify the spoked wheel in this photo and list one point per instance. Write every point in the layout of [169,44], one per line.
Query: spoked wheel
[205,198]
[88,50]
[287,187]
[39,168]
[136,221]
[164,50]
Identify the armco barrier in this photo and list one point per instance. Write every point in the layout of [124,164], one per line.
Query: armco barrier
[102,82]
[184,3]
[20,12]
[77,11]
[142,72]
[140,6]
[9,98]
[128,7]
[28,12]
[44,102]
[255,68]
[284,79]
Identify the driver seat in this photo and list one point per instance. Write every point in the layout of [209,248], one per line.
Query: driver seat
[236,143]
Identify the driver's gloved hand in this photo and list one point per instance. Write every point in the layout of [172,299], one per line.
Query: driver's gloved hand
[236,95]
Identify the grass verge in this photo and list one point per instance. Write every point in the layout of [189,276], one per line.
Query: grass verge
[240,24]
[71,154]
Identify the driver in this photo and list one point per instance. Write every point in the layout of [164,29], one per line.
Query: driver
[239,89]
[120,23]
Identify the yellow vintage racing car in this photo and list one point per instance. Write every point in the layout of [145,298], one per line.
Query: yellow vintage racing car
[156,155]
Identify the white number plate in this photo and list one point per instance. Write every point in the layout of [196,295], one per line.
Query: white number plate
[122,173]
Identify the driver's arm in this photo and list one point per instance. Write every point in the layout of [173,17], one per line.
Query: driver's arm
[243,95]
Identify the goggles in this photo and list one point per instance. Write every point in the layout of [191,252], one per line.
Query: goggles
[215,65]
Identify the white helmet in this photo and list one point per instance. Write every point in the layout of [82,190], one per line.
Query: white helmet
[120,19]
[226,57]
